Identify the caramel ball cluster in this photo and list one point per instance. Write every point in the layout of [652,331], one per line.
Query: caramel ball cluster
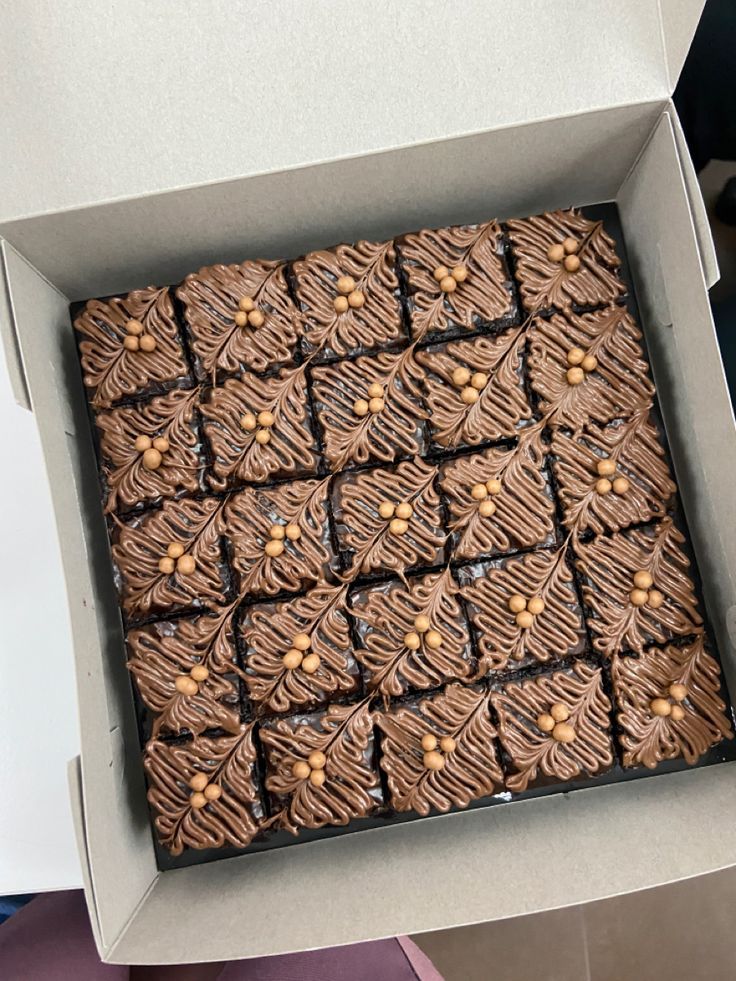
[135,338]
[312,769]
[525,609]
[374,403]
[581,364]
[670,707]
[177,559]
[188,684]
[423,632]
[433,758]
[397,515]
[565,253]
[450,278]
[642,594]
[484,494]
[555,723]
[604,485]
[300,656]
[249,314]
[349,297]
[471,384]
[277,535]
[260,424]
[152,450]
[203,791]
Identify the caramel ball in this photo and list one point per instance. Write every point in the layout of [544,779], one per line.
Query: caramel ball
[460,376]
[197,800]
[570,245]
[621,485]
[301,770]
[248,422]
[161,444]
[678,713]
[142,443]
[404,510]
[433,760]
[317,760]
[360,407]
[555,253]
[535,605]
[448,744]
[517,603]
[134,327]
[572,263]
[429,742]
[266,418]
[263,436]
[131,343]
[277,532]
[152,459]
[199,672]
[240,318]
[459,274]
[479,380]
[448,284]
[589,363]
[148,343]
[317,778]
[603,486]
[412,640]
[433,639]
[606,468]
[198,782]
[559,712]
[274,548]
[678,692]
[166,565]
[486,508]
[575,376]
[524,619]
[660,707]
[494,486]
[398,526]
[311,663]
[186,685]
[656,599]
[174,550]
[301,641]
[186,565]
[469,396]
[478,492]
[376,405]
[247,303]
[345,284]
[375,391]
[642,579]
[386,509]
[293,532]
[421,622]
[575,356]
[256,318]
[440,273]
[356,299]
[213,791]
[292,659]
[638,597]
[563,732]
[341,304]
[545,722]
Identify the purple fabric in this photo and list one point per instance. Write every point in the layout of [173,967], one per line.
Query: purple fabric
[50,940]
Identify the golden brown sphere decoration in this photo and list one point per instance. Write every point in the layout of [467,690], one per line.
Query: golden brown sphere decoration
[422,623]
[449,278]
[341,304]
[186,685]
[545,722]
[461,376]
[412,640]
[373,403]
[605,468]
[247,304]
[469,395]
[198,782]
[131,343]
[487,508]
[248,422]
[386,509]
[603,486]
[404,510]
[571,263]
[312,769]
[292,659]
[433,760]
[397,526]
[565,251]
[525,610]
[199,672]
[429,742]
[345,284]
[311,663]
[621,486]
[494,486]
[678,692]
[563,732]
[575,376]
[197,800]
[678,713]
[434,749]
[356,299]
[581,364]
[660,707]
[135,339]
[643,594]
[134,328]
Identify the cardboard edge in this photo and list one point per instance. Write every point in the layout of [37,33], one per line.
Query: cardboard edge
[76,798]
[11,345]
[678,21]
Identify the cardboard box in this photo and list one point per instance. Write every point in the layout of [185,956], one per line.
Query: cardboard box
[299,131]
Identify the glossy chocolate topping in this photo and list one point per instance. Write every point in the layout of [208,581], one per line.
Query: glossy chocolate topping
[469,769]
[536,753]
[649,738]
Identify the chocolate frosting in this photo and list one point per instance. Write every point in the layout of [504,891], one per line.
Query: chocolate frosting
[634,447]
[534,752]
[161,652]
[362,530]
[609,564]
[485,295]
[470,771]
[237,455]
[395,431]
[344,733]
[249,517]
[228,763]
[386,613]
[556,632]
[211,299]
[524,515]
[110,371]
[545,283]
[142,543]
[502,406]
[268,633]
[377,322]
[618,387]
[648,738]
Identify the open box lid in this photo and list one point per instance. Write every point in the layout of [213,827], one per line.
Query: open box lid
[101,107]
